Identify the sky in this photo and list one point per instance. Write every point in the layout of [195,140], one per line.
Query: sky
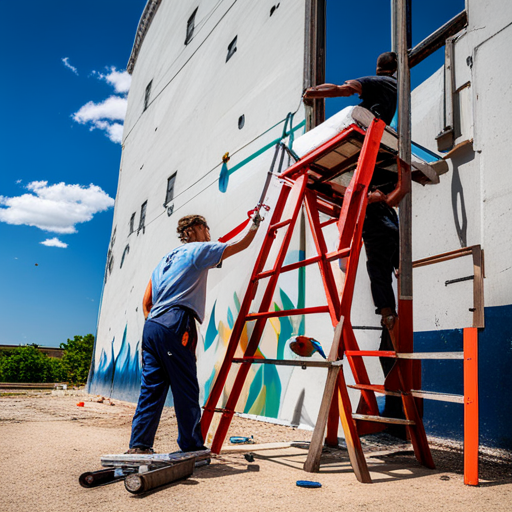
[63,96]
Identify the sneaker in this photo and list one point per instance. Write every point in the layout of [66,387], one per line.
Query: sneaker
[140,451]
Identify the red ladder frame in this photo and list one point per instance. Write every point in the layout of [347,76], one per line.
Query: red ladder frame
[350,224]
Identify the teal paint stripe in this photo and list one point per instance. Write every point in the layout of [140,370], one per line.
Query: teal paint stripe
[264,148]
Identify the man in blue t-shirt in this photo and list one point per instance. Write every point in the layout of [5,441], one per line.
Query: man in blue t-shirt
[174,299]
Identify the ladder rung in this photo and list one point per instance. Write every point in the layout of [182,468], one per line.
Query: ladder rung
[219,409]
[371,353]
[441,397]
[377,388]
[328,222]
[418,393]
[288,362]
[381,419]
[336,255]
[288,312]
[278,225]
[298,264]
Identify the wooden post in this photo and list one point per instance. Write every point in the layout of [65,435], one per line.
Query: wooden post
[471,406]
[314,58]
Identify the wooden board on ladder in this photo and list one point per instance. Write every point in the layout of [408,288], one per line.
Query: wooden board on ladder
[296,191]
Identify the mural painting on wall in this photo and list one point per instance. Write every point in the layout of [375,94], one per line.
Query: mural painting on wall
[118,375]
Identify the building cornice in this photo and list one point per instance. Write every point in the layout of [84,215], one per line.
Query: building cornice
[144,24]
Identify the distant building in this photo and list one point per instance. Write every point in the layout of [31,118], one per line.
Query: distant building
[49,351]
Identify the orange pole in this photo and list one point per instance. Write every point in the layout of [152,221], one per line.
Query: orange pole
[471,406]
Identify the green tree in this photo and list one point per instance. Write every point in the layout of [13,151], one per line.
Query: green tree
[77,357]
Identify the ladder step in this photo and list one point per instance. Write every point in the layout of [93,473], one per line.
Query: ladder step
[343,253]
[371,353]
[288,312]
[288,362]
[381,419]
[404,355]
[377,388]
[278,225]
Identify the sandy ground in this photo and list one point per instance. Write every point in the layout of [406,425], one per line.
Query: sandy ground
[47,442]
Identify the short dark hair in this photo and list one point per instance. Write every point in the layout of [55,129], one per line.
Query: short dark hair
[386,63]
[187,222]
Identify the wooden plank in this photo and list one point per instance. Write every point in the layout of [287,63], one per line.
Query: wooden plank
[355,451]
[438,258]
[471,432]
[437,39]
[430,355]
[382,419]
[404,150]
[377,388]
[441,397]
[314,59]
[245,448]
[288,362]
[478,289]
[312,464]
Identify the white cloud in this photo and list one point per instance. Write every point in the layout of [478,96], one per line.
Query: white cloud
[65,60]
[113,108]
[54,242]
[18,182]
[120,80]
[101,116]
[55,208]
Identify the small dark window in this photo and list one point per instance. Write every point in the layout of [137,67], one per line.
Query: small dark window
[241,122]
[125,252]
[113,239]
[190,27]
[142,222]
[273,8]
[231,49]
[169,196]
[147,95]
[132,224]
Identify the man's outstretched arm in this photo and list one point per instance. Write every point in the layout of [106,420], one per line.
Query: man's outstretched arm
[147,301]
[246,240]
[349,88]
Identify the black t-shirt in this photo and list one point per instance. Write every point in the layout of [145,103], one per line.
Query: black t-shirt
[379,96]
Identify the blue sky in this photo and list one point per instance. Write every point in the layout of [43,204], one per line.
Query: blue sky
[60,152]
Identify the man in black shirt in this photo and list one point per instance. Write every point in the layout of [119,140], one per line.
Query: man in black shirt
[380,230]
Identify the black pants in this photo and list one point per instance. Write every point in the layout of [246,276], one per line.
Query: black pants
[382,245]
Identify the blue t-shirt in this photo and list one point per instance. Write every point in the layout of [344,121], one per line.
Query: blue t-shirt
[180,277]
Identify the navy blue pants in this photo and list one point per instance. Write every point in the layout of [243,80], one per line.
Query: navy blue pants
[168,359]
[382,245]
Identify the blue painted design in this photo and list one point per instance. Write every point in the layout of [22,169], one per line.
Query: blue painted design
[230,319]
[255,388]
[272,382]
[211,331]
[237,302]
[208,385]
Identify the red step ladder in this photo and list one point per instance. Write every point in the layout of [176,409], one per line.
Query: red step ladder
[297,190]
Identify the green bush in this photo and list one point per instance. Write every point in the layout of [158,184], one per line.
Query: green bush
[27,364]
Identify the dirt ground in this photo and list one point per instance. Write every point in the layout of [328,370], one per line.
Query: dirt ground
[47,442]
